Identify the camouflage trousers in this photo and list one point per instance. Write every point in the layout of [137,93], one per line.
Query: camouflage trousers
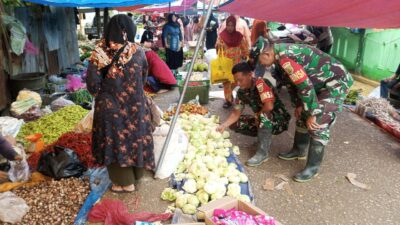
[326,120]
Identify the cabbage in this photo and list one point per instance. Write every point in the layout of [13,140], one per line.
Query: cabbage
[225,134]
[190,186]
[193,200]
[233,190]
[189,209]
[202,196]
[243,178]
[227,144]
[236,150]
[200,183]
[210,187]
[169,194]
[234,179]
[244,198]
[181,200]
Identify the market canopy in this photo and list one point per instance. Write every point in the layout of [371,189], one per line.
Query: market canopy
[96,3]
[339,13]
[175,6]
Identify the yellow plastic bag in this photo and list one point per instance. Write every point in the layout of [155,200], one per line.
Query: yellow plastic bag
[221,68]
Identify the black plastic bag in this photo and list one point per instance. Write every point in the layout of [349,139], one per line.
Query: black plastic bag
[62,163]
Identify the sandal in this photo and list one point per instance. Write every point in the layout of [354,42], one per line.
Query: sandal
[227,105]
[129,188]
[117,189]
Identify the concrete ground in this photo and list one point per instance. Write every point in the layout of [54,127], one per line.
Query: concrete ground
[357,146]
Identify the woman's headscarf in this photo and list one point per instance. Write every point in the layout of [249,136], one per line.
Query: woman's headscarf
[120,29]
[259,29]
[171,22]
[231,39]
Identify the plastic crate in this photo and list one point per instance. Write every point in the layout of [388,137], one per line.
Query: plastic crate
[195,88]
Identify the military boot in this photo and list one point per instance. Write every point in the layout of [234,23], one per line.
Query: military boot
[314,159]
[264,136]
[301,142]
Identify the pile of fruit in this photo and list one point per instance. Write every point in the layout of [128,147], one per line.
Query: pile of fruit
[200,67]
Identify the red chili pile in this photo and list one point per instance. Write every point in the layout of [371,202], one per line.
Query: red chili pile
[80,143]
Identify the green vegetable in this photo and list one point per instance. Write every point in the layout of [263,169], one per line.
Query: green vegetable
[169,194]
[52,126]
[353,97]
[82,96]
[189,209]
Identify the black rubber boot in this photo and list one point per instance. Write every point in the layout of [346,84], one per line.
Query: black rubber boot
[314,159]
[300,145]
[264,136]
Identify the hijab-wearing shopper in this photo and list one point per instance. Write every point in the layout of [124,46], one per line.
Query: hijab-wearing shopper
[235,47]
[172,38]
[122,133]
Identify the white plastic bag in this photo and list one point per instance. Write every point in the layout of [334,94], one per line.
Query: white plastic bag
[59,103]
[10,126]
[175,152]
[12,208]
[19,170]
[210,55]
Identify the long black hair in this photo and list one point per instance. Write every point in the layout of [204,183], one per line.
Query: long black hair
[118,25]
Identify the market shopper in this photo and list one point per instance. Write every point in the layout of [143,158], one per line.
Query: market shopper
[234,46]
[241,26]
[259,29]
[390,83]
[271,116]
[172,38]
[324,37]
[122,133]
[211,29]
[318,85]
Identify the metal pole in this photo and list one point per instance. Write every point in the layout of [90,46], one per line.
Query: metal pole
[187,79]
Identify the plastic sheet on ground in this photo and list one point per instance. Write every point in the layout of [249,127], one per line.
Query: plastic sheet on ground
[99,184]
[36,178]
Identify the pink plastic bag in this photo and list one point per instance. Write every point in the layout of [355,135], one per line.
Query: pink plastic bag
[235,217]
[115,212]
[74,83]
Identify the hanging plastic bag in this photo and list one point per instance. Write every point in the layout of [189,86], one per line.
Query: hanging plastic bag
[12,208]
[86,124]
[62,163]
[19,171]
[221,68]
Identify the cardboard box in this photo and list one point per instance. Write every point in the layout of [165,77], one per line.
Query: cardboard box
[229,203]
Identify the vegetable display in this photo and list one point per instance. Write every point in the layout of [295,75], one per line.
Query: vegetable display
[188,108]
[53,125]
[80,97]
[205,171]
[80,143]
[353,97]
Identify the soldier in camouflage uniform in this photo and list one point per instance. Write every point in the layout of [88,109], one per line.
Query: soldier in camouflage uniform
[318,85]
[271,115]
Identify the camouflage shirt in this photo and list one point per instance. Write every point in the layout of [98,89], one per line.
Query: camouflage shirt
[315,79]
[262,91]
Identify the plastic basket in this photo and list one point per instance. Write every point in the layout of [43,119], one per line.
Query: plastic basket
[195,88]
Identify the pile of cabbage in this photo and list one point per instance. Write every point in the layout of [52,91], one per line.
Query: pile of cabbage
[206,173]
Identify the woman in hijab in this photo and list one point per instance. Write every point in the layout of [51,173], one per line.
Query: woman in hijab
[122,133]
[235,47]
[172,40]
[212,34]
[259,29]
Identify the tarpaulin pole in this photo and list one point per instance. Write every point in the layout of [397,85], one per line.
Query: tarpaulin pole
[178,107]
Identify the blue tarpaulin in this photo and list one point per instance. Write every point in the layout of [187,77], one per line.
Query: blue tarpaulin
[96,3]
